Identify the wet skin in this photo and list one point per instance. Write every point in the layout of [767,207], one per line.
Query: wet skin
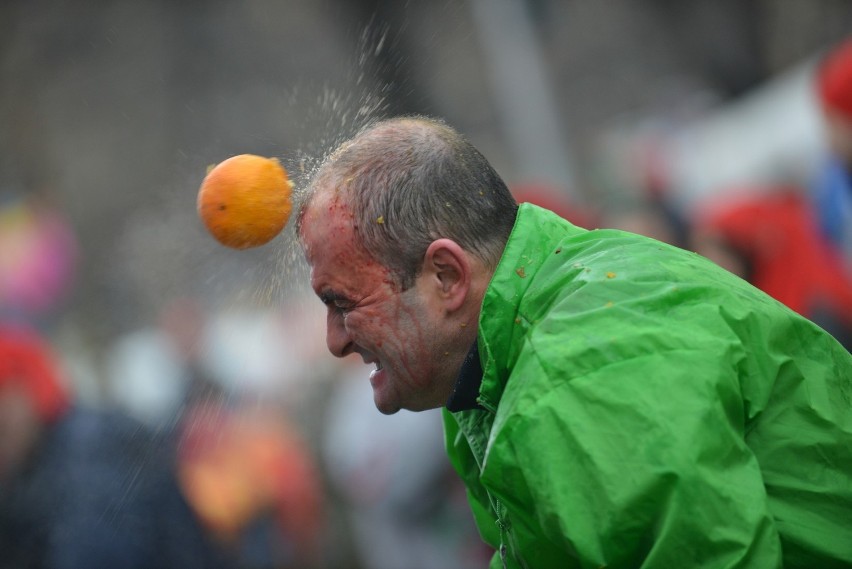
[413,337]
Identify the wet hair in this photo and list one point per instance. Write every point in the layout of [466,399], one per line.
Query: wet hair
[410,181]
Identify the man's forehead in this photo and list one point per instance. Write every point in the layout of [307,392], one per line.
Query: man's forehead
[328,235]
[326,217]
[338,260]
[327,201]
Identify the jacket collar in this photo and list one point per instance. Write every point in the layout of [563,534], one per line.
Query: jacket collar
[508,311]
[466,390]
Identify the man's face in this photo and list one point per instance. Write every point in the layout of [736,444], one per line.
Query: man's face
[398,332]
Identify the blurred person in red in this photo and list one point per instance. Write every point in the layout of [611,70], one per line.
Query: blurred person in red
[770,237]
[249,477]
[832,190]
[81,487]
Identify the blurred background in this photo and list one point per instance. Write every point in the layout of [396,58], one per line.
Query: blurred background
[644,115]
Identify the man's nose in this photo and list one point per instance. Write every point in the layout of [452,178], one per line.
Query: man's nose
[337,336]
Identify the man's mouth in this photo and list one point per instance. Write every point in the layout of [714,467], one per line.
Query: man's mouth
[377,376]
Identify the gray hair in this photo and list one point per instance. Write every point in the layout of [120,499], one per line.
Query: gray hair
[412,180]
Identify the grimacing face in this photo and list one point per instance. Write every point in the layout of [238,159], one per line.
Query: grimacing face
[400,333]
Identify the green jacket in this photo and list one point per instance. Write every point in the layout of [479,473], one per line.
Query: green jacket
[644,408]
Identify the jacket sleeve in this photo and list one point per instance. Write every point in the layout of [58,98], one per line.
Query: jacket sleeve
[639,458]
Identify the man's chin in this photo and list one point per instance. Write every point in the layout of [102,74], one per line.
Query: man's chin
[384,407]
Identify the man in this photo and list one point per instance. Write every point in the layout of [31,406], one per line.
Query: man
[610,400]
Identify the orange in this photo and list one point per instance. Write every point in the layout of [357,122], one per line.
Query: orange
[245,201]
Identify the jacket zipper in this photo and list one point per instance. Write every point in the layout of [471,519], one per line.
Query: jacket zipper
[505,527]
[507,535]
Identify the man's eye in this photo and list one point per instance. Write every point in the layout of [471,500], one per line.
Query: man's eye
[339,305]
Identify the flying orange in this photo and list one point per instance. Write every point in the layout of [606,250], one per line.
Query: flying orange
[245,201]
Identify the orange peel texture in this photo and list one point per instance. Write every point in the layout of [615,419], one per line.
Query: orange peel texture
[245,201]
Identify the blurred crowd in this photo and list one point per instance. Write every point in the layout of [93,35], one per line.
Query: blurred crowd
[208,448]
[225,436]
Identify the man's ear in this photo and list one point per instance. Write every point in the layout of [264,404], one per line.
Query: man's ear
[448,268]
